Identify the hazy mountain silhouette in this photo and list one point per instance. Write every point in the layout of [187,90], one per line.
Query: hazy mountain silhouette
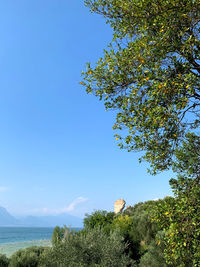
[52,220]
[6,219]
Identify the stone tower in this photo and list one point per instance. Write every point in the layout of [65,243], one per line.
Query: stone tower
[119,205]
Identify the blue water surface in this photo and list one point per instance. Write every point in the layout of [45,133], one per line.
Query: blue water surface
[20,234]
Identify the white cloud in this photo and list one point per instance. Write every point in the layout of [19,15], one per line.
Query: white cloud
[3,188]
[71,207]
[74,203]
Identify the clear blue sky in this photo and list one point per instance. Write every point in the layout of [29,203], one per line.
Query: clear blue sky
[57,150]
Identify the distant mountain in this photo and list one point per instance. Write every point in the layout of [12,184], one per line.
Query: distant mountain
[6,219]
[64,218]
[32,221]
[52,221]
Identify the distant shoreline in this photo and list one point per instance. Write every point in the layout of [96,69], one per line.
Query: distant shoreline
[24,227]
[12,235]
[9,248]
[26,241]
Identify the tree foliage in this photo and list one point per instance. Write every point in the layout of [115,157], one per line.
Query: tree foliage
[99,218]
[143,227]
[29,257]
[134,224]
[179,217]
[153,257]
[58,234]
[187,157]
[150,73]
[4,261]
[92,247]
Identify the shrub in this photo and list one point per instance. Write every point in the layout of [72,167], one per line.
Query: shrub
[125,225]
[58,234]
[92,247]
[154,257]
[144,229]
[134,224]
[4,261]
[28,257]
[99,218]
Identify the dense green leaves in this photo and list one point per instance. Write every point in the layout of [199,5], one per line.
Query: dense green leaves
[92,247]
[29,257]
[4,261]
[58,234]
[134,225]
[99,219]
[180,221]
[150,73]
[179,217]
[153,257]
[187,161]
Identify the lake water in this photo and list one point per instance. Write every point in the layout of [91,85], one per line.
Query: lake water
[14,238]
[21,234]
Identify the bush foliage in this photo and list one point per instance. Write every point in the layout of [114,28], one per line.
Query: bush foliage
[91,247]
[4,261]
[29,257]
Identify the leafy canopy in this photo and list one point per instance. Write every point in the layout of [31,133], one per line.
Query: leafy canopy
[179,216]
[91,247]
[150,73]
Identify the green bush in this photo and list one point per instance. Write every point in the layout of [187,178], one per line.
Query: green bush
[45,258]
[99,218]
[58,234]
[91,247]
[134,224]
[179,216]
[4,261]
[125,225]
[29,257]
[144,229]
[154,257]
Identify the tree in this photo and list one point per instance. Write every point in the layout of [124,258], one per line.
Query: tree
[143,227]
[99,218]
[150,73]
[4,261]
[187,158]
[27,257]
[153,257]
[179,217]
[92,247]
[58,234]
[134,224]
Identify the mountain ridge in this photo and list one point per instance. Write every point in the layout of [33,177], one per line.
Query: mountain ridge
[7,220]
